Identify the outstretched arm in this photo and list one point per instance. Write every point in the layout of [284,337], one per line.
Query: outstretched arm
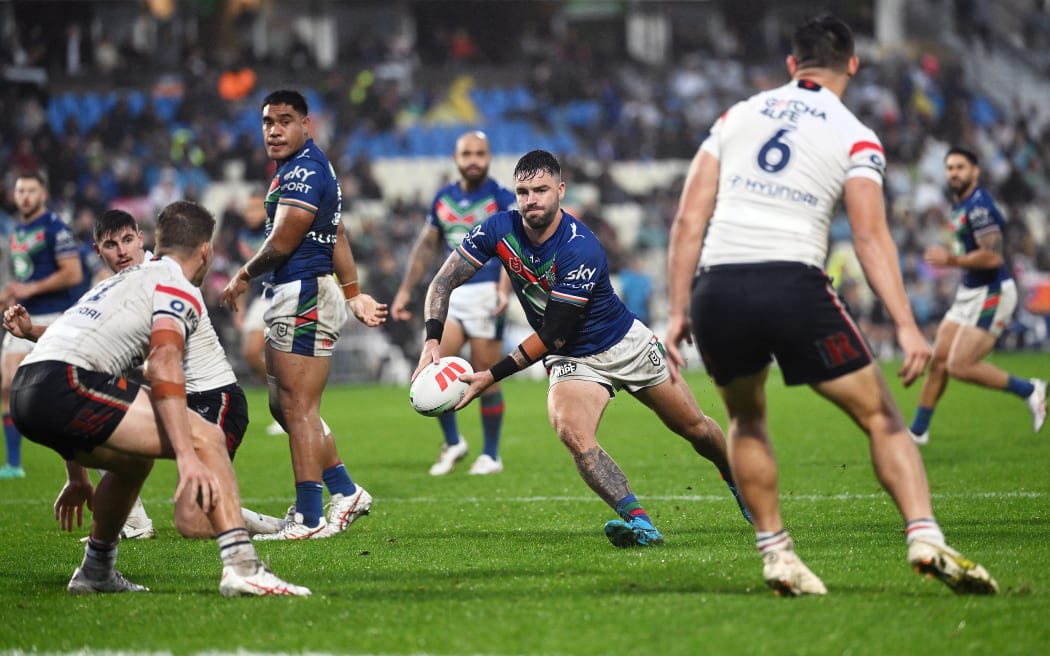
[290,225]
[367,310]
[695,207]
[879,258]
[419,259]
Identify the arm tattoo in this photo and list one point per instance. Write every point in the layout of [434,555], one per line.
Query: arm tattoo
[603,475]
[454,272]
[991,241]
[266,260]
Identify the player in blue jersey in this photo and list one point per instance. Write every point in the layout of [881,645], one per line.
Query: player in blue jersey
[984,303]
[588,340]
[476,309]
[304,244]
[47,270]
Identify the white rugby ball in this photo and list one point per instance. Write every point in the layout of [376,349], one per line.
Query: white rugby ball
[437,389]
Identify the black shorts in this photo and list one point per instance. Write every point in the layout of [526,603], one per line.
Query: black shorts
[744,315]
[227,407]
[67,408]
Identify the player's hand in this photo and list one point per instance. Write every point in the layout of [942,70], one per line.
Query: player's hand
[431,354]
[937,256]
[502,302]
[917,353]
[17,321]
[367,310]
[679,329]
[198,483]
[479,382]
[399,306]
[70,503]
[235,288]
[20,290]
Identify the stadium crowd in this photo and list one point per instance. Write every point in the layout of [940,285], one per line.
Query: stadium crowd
[109,134]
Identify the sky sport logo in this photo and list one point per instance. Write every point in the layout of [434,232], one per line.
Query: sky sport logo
[448,375]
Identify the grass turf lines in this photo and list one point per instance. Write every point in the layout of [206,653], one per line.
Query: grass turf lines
[517,563]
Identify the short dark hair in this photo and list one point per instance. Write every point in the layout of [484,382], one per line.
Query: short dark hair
[965,152]
[823,42]
[33,174]
[287,97]
[535,161]
[183,226]
[112,222]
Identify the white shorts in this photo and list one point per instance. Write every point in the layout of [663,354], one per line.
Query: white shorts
[984,307]
[474,307]
[306,316]
[14,344]
[255,315]
[637,362]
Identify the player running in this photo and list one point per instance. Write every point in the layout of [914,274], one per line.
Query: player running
[755,212]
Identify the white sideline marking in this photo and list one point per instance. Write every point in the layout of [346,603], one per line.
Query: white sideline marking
[251,502]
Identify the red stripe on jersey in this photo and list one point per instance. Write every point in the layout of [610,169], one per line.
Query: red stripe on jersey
[864,145]
[175,291]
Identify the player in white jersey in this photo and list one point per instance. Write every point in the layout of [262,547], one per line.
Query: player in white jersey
[73,395]
[763,187]
[211,386]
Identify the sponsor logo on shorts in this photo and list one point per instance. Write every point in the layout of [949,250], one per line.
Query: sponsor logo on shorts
[563,369]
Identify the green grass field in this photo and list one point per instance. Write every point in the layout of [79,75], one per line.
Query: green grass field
[517,563]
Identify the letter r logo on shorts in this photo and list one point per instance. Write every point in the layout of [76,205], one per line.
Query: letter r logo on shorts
[449,374]
[836,350]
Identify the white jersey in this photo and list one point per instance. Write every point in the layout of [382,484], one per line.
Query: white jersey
[108,330]
[784,157]
[206,365]
[205,362]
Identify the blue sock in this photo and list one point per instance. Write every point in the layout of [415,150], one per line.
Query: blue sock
[337,480]
[13,440]
[631,510]
[308,502]
[1022,388]
[492,422]
[449,427]
[921,423]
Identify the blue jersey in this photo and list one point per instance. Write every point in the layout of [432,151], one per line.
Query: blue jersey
[570,267]
[36,248]
[306,180]
[89,266]
[975,214]
[454,212]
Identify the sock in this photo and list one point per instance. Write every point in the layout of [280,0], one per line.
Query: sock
[767,541]
[449,427]
[337,480]
[13,440]
[236,551]
[630,509]
[1022,388]
[308,502]
[99,559]
[492,422]
[925,529]
[921,423]
[728,478]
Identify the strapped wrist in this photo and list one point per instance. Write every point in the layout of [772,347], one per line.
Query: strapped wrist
[350,289]
[434,329]
[503,368]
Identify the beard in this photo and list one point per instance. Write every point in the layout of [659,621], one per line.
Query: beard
[31,211]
